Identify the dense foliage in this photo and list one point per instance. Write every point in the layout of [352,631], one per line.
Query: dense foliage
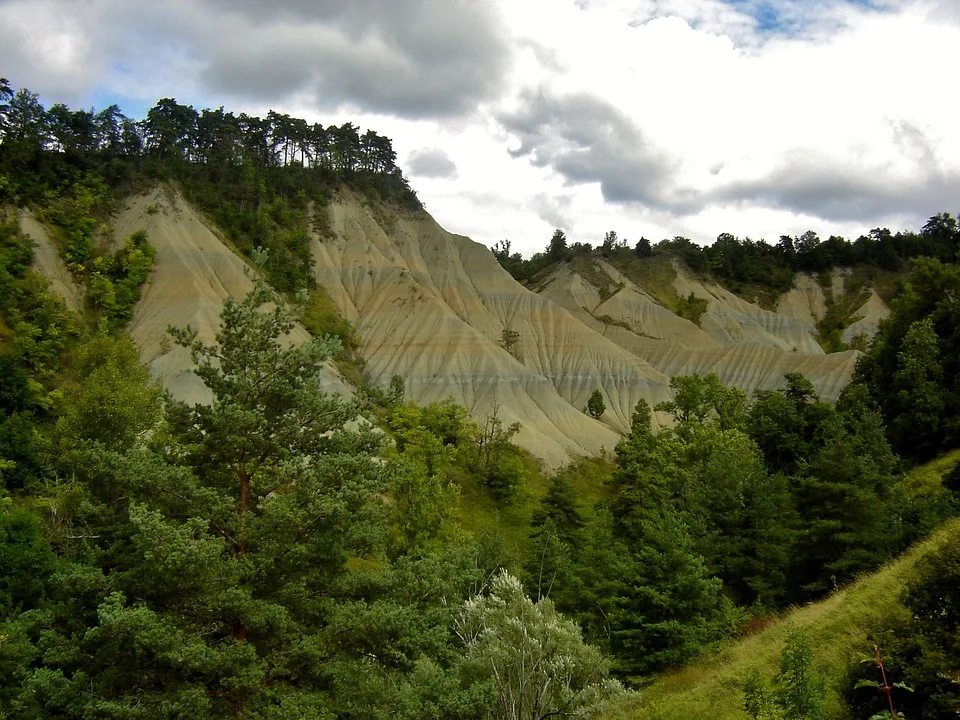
[912,369]
[239,560]
[258,177]
[921,650]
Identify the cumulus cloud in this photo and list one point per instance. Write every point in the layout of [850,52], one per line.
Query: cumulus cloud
[842,192]
[586,139]
[411,58]
[431,163]
[554,208]
[415,58]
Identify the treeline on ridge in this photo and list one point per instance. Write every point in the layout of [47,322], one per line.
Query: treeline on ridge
[256,176]
[741,263]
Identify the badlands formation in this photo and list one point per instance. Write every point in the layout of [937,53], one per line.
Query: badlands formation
[431,307]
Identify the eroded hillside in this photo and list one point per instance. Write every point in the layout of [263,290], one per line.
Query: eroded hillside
[432,307]
[436,308]
[745,345]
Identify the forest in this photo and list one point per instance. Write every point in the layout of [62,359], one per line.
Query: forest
[744,263]
[267,556]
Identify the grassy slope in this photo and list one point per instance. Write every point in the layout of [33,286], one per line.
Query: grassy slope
[479,513]
[837,626]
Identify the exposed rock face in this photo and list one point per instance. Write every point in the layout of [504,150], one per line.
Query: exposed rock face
[47,262]
[432,307]
[807,302]
[194,273]
[870,313]
[746,346]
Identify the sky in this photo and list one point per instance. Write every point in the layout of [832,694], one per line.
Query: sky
[510,118]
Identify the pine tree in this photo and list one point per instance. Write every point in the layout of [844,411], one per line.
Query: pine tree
[595,405]
[212,577]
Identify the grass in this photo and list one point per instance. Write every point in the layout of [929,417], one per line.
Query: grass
[838,628]
[654,274]
[479,513]
[926,479]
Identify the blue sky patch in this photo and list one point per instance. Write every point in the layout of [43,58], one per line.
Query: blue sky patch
[790,17]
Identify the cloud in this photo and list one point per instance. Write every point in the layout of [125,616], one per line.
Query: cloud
[410,58]
[843,193]
[908,180]
[39,43]
[414,58]
[554,208]
[588,140]
[654,117]
[431,163]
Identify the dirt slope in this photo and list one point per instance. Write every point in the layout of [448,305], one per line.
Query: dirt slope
[807,302]
[47,262]
[746,346]
[870,313]
[194,273]
[432,307]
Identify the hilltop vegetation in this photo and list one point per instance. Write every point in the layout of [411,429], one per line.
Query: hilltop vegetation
[755,270]
[257,177]
[271,555]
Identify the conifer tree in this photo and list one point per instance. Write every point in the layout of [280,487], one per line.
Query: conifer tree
[595,405]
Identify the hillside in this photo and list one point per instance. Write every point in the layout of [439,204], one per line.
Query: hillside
[746,346]
[838,627]
[433,307]
[264,553]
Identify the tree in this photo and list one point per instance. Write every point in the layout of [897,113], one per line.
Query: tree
[911,369]
[508,341]
[595,405]
[6,94]
[170,129]
[114,401]
[213,576]
[787,424]
[496,458]
[557,249]
[845,501]
[798,689]
[559,505]
[663,603]
[666,607]
[921,647]
[918,383]
[699,397]
[537,660]
[268,408]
